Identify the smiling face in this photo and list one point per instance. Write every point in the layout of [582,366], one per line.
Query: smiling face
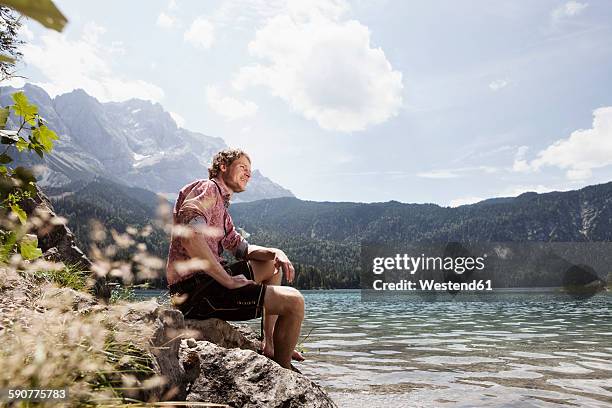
[237,175]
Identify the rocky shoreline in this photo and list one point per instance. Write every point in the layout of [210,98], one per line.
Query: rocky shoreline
[196,361]
[127,352]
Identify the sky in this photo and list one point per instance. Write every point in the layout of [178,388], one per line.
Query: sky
[442,101]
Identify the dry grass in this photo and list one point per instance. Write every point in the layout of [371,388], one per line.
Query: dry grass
[55,335]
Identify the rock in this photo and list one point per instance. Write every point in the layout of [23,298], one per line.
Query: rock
[215,361]
[57,241]
[67,299]
[243,378]
[142,312]
[223,334]
[165,342]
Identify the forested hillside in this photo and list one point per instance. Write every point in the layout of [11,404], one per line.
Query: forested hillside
[323,238]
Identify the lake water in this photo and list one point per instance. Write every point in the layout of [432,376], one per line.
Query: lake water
[502,350]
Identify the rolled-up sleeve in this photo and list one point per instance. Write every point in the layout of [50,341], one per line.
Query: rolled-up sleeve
[234,242]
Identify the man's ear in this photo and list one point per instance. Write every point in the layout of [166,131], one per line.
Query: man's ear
[223,167]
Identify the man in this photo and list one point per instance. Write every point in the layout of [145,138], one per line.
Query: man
[202,285]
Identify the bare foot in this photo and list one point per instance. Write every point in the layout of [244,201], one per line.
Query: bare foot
[297,356]
[268,351]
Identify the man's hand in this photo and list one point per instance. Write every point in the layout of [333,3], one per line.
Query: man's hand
[281,260]
[238,281]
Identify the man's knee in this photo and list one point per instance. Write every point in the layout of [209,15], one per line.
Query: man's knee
[266,271]
[297,302]
[284,300]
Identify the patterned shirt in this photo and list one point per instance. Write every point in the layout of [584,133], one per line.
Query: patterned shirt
[203,206]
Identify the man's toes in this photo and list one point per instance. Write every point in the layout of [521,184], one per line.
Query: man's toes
[297,356]
[268,352]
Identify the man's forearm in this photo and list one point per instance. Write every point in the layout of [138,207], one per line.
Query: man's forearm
[214,269]
[259,253]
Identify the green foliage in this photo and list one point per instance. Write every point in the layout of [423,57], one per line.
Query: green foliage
[17,184]
[28,247]
[43,11]
[24,109]
[10,24]
[8,239]
[4,115]
[70,276]
[123,293]
[126,360]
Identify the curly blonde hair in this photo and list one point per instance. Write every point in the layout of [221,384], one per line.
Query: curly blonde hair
[227,157]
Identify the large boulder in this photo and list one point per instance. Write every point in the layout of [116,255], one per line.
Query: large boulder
[223,334]
[215,361]
[243,378]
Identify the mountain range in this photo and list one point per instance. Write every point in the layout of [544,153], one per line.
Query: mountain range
[136,143]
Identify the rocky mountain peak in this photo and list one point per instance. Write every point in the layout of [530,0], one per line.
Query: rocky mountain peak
[134,142]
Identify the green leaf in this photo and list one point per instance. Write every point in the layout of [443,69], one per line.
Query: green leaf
[5,158]
[3,170]
[43,11]
[28,247]
[4,114]
[22,144]
[24,108]
[46,137]
[6,58]
[7,246]
[19,213]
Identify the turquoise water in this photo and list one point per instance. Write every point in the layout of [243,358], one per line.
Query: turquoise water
[503,350]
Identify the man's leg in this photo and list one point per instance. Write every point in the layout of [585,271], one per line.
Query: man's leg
[265,272]
[288,305]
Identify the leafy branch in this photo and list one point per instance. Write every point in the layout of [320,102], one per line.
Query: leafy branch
[17,184]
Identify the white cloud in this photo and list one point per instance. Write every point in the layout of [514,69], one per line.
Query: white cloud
[172,5]
[514,191]
[333,9]
[520,164]
[201,33]
[85,63]
[15,82]
[92,32]
[464,201]
[324,68]
[456,172]
[438,174]
[569,9]
[228,107]
[165,21]
[498,84]
[180,121]
[580,153]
